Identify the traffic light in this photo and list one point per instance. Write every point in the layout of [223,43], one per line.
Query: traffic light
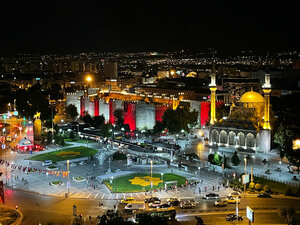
[17,207]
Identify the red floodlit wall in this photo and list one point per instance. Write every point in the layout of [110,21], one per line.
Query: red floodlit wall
[112,107]
[205,109]
[129,115]
[205,106]
[82,106]
[96,107]
[159,112]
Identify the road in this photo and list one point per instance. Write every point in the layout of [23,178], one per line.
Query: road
[261,217]
[44,209]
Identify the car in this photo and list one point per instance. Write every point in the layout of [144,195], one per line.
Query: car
[47,163]
[127,200]
[235,194]
[233,217]
[221,203]
[264,195]
[232,200]
[188,205]
[154,204]
[211,196]
[163,206]
[151,199]
[135,206]
[173,201]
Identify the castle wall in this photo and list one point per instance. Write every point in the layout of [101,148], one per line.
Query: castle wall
[145,116]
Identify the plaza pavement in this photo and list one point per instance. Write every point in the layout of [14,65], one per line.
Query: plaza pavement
[92,189]
[39,182]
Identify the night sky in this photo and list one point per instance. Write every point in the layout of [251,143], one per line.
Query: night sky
[71,27]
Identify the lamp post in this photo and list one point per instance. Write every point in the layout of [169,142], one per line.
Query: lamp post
[245,159]
[151,163]
[162,176]
[68,184]
[199,168]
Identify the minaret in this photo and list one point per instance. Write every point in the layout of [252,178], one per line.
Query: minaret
[267,89]
[213,88]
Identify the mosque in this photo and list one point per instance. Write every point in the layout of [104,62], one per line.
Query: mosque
[247,127]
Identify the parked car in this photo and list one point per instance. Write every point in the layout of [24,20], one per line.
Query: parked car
[232,200]
[233,217]
[151,199]
[264,195]
[188,205]
[173,201]
[211,196]
[127,200]
[163,206]
[47,163]
[221,203]
[154,204]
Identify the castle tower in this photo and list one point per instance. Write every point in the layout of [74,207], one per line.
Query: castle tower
[213,88]
[267,90]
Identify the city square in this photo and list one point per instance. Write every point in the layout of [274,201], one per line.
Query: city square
[149,113]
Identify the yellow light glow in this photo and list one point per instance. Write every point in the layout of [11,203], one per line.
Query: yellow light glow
[296,144]
[172,72]
[88,78]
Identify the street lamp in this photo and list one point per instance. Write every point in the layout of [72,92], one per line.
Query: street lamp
[151,163]
[245,159]
[162,176]
[199,168]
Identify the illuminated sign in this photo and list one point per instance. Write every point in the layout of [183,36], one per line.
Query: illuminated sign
[245,179]
[250,214]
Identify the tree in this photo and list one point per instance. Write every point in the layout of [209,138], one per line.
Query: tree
[158,127]
[179,119]
[288,214]
[88,119]
[98,121]
[235,160]
[119,115]
[71,112]
[282,137]
[105,130]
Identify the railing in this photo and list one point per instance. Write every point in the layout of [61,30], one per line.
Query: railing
[291,183]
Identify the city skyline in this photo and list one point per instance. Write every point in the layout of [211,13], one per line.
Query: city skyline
[49,27]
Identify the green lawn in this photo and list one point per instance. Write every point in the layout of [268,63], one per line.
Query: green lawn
[273,185]
[122,184]
[65,154]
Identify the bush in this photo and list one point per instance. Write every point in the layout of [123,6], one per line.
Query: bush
[258,186]
[266,188]
[289,192]
[251,185]
[235,160]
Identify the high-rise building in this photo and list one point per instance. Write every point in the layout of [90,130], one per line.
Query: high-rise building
[111,70]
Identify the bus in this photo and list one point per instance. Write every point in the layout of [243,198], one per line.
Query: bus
[168,213]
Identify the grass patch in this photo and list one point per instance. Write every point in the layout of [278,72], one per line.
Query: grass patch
[273,185]
[123,184]
[65,154]
[57,182]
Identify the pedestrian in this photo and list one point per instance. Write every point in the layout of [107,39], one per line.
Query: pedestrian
[90,218]
[218,188]
[213,188]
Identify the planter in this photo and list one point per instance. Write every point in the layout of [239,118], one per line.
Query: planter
[79,179]
[57,183]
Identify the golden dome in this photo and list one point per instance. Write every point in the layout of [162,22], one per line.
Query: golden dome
[252,96]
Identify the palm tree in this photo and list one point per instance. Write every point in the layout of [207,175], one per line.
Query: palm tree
[288,214]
